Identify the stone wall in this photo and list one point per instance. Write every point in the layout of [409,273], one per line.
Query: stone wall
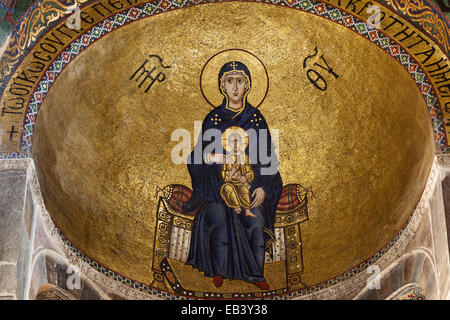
[425,260]
[30,256]
[446,195]
[16,218]
[33,255]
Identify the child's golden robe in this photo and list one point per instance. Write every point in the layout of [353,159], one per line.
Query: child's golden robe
[233,192]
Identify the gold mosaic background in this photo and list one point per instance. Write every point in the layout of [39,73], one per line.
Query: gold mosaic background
[102,145]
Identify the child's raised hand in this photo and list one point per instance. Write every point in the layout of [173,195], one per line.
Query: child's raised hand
[218,158]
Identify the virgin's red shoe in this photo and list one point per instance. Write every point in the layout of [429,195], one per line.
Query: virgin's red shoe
[218,281]
[263,285]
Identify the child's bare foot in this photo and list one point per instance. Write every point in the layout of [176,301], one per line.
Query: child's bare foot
[248,213]
[238,210]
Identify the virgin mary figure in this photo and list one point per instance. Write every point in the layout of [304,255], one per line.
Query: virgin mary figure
[224,243]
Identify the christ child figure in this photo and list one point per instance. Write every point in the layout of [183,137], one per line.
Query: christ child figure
[237,174]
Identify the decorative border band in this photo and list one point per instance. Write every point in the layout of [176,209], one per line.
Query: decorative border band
[425,16]
[383,258]
[148,9]
[310,6]
[43,13]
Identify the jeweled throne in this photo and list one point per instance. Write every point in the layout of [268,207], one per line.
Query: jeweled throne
[173,235]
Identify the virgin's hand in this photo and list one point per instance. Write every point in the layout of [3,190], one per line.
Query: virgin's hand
[259,195]
[218,158]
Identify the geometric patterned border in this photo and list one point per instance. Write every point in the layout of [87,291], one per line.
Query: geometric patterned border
[270,295]
[383,258]
[39,16]
[43,13]
[317,8]
[379,258]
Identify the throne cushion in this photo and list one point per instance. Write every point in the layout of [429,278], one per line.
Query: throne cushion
[292,196]
[179,195]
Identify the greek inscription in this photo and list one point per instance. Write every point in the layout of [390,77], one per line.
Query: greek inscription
[150,71]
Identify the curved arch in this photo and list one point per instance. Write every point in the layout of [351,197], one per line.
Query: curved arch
[415,267]
[84,287]
[424,253]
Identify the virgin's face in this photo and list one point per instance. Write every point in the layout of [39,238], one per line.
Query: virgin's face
[235,87]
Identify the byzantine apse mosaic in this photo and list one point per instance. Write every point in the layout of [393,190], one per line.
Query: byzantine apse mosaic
[227,149]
